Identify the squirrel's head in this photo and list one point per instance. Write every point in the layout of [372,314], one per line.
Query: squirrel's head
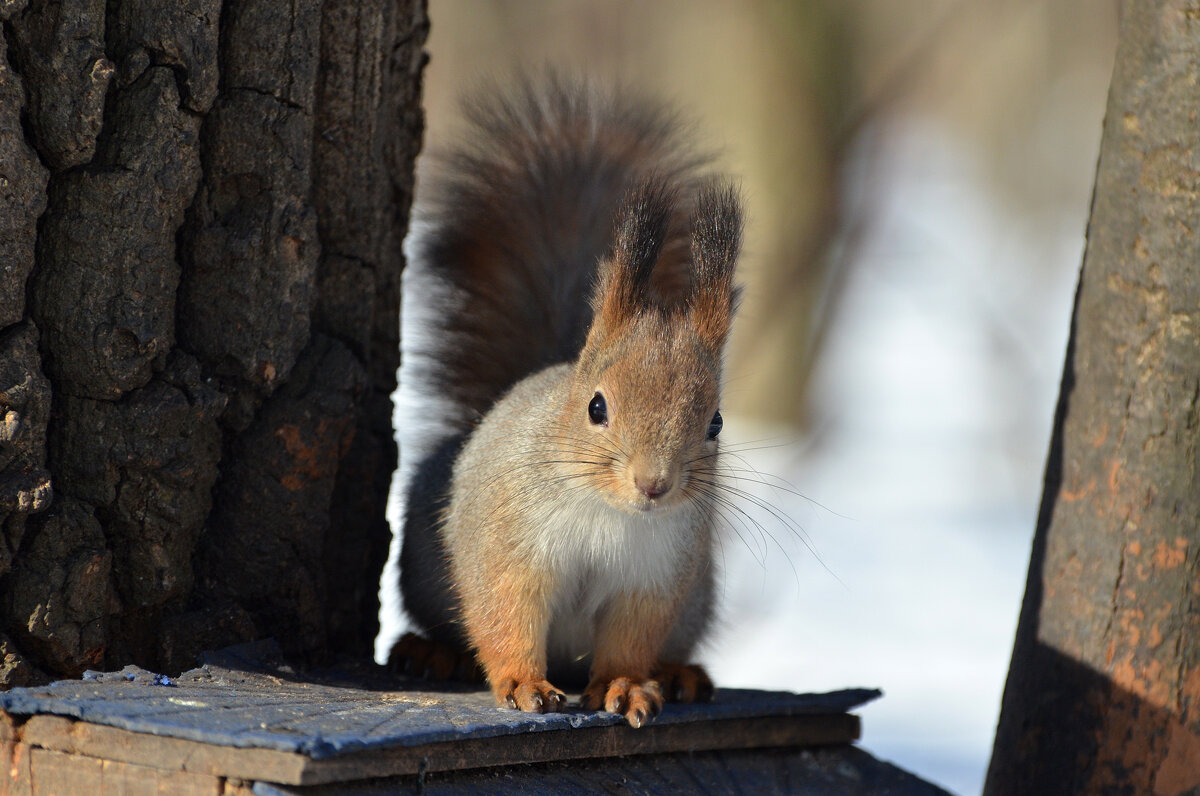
[644,410]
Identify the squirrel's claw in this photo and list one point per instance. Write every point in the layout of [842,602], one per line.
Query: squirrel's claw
[637,700]
[532,696]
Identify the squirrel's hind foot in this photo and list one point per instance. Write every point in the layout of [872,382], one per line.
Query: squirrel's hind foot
[684,682]
[418,656]
[637,700]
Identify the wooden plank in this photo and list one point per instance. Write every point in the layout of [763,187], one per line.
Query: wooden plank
[15,780]
[127,779]
[58,774]
[8,727]
[166,754]
[173,754]
[61,774]
[601,742]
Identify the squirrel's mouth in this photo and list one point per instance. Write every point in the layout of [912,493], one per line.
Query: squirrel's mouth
[640,505]
[658,505]
[630,499]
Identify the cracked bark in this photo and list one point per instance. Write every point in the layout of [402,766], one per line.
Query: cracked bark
[1103,694]
[201,204]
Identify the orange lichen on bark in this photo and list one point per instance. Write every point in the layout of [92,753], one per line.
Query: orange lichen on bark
[1189,693]
[1068,496]
[1179,770]
[1155,638]
[1113,470]
[1126,743]
[314,453]
[292,482]
[1170,556]
[1142,743]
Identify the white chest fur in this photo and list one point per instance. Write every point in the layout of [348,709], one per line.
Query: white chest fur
[598,552]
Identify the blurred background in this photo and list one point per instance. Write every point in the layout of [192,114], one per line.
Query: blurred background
[917,175]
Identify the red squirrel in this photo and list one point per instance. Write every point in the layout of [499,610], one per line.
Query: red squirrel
[567,301]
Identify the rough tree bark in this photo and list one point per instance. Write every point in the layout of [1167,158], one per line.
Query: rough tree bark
[201,209]
[1103,695]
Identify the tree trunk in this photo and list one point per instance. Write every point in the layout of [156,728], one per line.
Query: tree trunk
[201,210]
[1103,694]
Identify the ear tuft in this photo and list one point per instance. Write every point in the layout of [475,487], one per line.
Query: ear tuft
[716,244]
[642,224]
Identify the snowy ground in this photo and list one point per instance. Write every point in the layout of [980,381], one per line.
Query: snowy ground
[920,485]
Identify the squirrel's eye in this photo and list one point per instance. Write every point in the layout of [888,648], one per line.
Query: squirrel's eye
[598,410]
[714,425]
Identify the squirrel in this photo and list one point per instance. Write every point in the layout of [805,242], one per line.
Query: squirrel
[568,296]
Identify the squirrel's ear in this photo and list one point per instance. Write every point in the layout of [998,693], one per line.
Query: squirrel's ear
[716,244]
[642,224]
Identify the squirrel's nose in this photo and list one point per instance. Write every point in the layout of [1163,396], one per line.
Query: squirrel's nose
[652,486]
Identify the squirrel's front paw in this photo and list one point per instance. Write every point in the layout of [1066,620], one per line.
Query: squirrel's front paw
[637,700]
[533,696]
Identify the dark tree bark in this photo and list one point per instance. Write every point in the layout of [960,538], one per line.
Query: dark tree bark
[1103,694]
[201,209]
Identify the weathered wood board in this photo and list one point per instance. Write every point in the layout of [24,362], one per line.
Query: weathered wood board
[243,720]
[241,698]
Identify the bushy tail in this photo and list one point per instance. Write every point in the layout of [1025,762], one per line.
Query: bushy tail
[509,229]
